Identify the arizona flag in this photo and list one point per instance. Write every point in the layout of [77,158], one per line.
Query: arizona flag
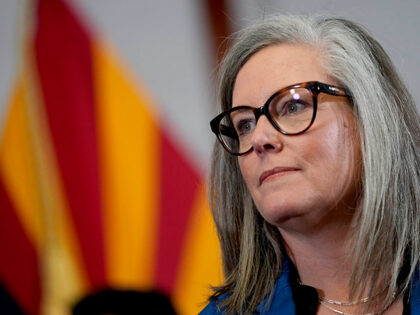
[94,193]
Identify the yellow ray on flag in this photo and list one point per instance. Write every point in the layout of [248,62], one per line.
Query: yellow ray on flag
[18,166]
[200,264]
[129,144]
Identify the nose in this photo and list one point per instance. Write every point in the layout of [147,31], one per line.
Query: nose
[266,138]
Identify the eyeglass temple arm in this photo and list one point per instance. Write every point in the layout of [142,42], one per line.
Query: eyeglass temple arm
[333,90]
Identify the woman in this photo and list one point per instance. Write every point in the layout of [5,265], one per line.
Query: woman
[315,186]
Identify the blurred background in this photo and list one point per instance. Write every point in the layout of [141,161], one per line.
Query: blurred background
[105,144]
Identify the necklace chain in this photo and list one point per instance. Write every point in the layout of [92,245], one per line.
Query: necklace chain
[324,301]
[325,304]
[350,303]
[327,300]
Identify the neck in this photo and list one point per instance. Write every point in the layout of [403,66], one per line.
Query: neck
[321,255]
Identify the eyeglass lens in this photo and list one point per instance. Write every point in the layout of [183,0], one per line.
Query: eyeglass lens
[290,112]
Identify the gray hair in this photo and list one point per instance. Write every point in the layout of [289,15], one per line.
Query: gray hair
[389,127]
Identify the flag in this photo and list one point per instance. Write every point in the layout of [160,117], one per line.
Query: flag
[94,191]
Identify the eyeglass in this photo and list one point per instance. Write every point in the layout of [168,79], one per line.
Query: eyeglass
[291,111]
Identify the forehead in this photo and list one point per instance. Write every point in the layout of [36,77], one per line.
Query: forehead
[276,67]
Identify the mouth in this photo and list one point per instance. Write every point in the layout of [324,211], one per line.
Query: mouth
[276,171]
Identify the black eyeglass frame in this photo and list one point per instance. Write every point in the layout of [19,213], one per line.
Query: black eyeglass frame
[314,87]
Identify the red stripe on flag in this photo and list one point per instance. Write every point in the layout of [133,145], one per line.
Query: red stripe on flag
[63,56]
[220,26]
[19,270]
[179,184]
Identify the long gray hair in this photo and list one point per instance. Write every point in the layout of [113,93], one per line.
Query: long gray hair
[389,203]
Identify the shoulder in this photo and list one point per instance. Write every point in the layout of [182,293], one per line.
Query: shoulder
[213,307]
[415,293]
[279,302]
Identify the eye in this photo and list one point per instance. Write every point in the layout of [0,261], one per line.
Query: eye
[243,121]
[293,107]
[244,126]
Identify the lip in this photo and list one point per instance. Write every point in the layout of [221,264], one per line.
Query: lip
[276,170]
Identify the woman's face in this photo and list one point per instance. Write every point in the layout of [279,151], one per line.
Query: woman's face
[314,175]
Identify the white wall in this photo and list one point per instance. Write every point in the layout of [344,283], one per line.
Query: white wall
[8,51]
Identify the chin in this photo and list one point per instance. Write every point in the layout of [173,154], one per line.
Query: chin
[281,213]
[294,209]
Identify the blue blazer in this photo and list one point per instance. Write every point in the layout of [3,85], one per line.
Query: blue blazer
[282,301]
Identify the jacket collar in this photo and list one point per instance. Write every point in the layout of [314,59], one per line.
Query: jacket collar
[281,300]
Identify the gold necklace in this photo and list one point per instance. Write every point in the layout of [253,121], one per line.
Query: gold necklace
[323,303]
[362,300]
[327,300]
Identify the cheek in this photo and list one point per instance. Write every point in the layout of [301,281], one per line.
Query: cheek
[246,166]
[332,144]
[327,152]
[334,159]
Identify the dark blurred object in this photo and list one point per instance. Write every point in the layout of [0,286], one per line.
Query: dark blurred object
[7,304]
[117,302]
